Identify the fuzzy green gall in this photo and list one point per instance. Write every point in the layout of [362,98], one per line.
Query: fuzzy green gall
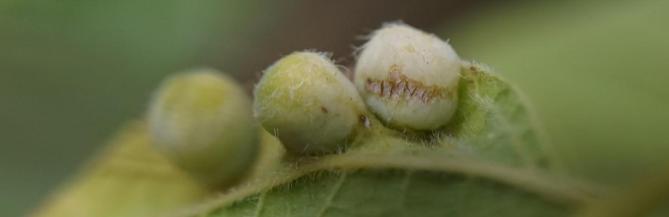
[306,101]
[202,121]
[408,78]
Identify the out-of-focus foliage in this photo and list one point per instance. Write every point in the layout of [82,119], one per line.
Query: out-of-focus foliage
[72,71]
[596,71]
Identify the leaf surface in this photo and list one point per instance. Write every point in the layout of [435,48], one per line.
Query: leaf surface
[488,161]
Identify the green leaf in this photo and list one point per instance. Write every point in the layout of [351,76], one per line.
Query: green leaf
[489,161]
[602,99]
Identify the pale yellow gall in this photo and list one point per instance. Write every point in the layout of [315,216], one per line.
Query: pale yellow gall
[306,101]
[202,120]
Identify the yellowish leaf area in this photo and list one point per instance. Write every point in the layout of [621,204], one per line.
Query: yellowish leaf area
[127,178]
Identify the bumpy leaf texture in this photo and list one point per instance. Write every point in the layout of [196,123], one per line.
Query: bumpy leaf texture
[489,161]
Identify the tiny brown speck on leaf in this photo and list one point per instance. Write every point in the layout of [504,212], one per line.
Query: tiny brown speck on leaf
[364,121]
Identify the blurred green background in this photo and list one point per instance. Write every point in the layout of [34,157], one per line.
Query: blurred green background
[72,71]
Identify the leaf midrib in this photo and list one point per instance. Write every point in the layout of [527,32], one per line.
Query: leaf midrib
[560,190]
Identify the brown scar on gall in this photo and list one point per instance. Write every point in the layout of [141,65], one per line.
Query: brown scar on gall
[324,110]
[399,85]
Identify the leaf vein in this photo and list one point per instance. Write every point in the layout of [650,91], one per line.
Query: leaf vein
[332,194]
[261,205]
